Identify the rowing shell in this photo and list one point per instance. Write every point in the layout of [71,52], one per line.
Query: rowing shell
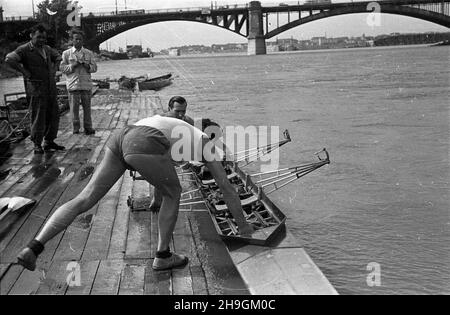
[259,211]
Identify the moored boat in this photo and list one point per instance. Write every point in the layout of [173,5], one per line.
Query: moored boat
[126,83]
[102,84]
[156,83]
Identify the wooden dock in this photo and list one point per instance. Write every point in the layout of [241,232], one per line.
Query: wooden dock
[109,249]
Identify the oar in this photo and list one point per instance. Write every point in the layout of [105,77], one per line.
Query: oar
[252,155]
[293,174]
[284,176]
[287,138]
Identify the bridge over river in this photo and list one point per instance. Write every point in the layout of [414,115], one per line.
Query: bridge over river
[249,20]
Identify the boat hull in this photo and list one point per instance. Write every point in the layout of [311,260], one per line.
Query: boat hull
[154,85]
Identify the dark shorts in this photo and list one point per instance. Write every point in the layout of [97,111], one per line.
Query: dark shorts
[137,140]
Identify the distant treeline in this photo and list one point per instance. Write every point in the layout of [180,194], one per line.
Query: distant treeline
[411,39]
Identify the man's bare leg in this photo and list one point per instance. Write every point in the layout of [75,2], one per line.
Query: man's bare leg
[106,175]
[159,171]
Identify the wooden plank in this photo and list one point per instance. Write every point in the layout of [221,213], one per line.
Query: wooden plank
[133,116]
[157,282]
[9,278]
[139,226]
[56,279]
[133,280]
[108,276]
[221,274]
[181,277]
[64,166]
[3,269]
[88,272]
[117,246]
[74,240]
[29,281]
[97,245]
[199,284]
[140,191]
[14,177]
[138,239]
[154,232]
[182,281]
[18,163]
[20,231]
[37,173]
[96,156]
[30,163]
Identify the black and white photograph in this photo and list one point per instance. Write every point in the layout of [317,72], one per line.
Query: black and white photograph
[294,148]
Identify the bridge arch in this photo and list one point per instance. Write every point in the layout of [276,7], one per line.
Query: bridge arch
[95,42]
[406,11]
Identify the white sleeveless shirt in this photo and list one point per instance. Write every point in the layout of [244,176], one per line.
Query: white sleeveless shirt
[186,141]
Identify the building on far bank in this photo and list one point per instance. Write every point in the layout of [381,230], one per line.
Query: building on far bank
[228,48]
[174,52]
[272,47]
[134,51]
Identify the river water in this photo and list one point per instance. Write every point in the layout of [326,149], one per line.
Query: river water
[382,113]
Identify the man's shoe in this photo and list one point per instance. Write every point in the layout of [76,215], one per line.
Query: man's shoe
[38,149]
[89,132]
[53,146]
[76,132]
[174,261]
[27,259]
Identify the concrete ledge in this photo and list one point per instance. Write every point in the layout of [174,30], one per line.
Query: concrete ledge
[285,269]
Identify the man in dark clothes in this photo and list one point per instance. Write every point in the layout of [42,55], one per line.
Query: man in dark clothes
[37,63]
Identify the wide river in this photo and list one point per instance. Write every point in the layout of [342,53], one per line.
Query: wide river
[382,113]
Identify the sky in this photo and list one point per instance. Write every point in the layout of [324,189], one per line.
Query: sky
[164,35]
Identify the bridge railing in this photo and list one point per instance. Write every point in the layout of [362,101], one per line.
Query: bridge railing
[209,9]
[17,18]
[205,9]
[172,10]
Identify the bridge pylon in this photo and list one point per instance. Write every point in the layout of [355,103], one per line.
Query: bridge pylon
[256,40]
